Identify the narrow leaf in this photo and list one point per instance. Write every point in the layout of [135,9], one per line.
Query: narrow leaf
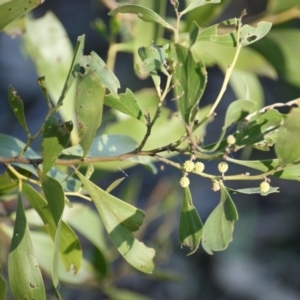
[55,137]
[113,185]
[190,227]
[125,103]
[287,147]
[218,228]
[70,249]
[120,220]
[25,278]
[89,108]
[143,13]
[255,190]
[190,80]
[94,64]
[197,3]
[74,69]
[7,184]
[11,10]
[17,106]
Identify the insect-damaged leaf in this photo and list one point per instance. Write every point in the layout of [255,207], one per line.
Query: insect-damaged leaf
[120,220]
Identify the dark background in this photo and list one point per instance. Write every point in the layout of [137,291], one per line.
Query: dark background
[262,262]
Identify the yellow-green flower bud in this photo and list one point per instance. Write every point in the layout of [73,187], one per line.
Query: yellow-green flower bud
[188,166]
[223,167]
[215,186]
[184,182]
[231,140]
[264,187]
[199,167]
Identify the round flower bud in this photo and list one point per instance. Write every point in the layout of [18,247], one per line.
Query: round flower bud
[188,166]
[264,187]
[231,140]
[199,167]
[184,182]
[215,186]
[223,167]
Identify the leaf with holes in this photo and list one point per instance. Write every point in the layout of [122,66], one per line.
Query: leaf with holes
[249,34]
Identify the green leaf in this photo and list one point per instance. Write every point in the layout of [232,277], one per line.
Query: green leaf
[55,197]
[17,106]
[125,103]
[7,184]
[89,108]
[190,226]
[25,278]
[196,3]
[74,69]
[255,190]
[120,220]
[113,185]
[56,135]
[249,34]
[143,13]
[189,80]
[11,10]
[3,286]
[122,294]
[94,64]
[105,145]
[218,228]
[287,147]
[70,249]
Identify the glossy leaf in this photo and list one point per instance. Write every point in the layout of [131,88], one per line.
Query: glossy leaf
[56,135]
[89,108]
[197,3]
[190,226]
[75,67]
[218,228]
[143,13]
[254,190]
[125,103]
[249,34]
[94,64]
[17,106]
[287,147]
[25,278]
[120,220]
[189,82]
[105,145]
[11,10]
[70,249]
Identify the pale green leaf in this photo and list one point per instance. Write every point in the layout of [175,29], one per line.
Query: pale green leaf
[10,10]
[125,103]
[196,3]
[254,190]
[143,13]
[120,220]
[7,183]
[70,249]
[89,108]
[287,147]
[218,228]
[249,34]
[17,106]
[105,145]
[114,184]
[94,64]
[190,226]
[25,278]
[56,135]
